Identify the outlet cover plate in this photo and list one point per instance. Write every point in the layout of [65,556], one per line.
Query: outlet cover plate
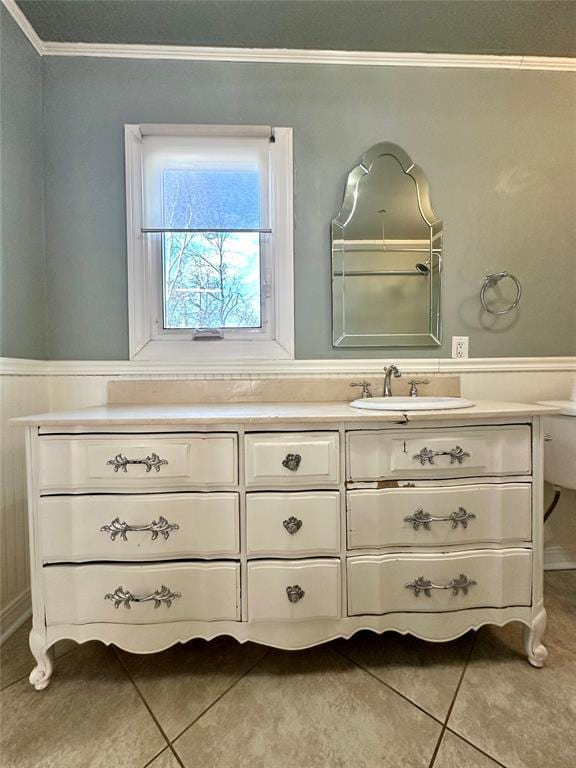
[460,347]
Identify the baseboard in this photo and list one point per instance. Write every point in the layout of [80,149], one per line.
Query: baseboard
[14,615]
[559,559]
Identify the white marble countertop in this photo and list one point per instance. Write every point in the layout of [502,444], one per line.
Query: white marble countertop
[267,413]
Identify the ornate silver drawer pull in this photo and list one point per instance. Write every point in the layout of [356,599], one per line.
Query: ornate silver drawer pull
[151,462]
[161,528]
[162,596]
[460,584]
[295,593]
[292,461]
[427,455]
[292,525]
[421,519]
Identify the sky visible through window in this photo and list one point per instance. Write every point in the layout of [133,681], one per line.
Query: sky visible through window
[212,279]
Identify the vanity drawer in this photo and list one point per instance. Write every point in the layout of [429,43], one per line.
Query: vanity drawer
[293,523]
[301,589]
[139,527]
[439,453]
[292,458]
[83,594]
[436,583]
[137,462]
[439,515]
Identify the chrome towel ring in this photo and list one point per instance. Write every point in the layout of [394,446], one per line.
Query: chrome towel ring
[493,279]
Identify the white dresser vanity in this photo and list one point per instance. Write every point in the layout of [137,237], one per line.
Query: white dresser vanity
[285,524]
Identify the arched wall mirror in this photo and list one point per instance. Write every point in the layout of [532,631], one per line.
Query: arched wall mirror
[386,256]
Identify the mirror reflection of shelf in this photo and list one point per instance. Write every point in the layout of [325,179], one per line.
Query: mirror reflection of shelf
[378,272]
[404,246]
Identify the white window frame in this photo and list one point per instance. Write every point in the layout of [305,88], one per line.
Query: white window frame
[148,340]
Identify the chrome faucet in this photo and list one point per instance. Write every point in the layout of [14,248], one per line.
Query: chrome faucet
[390,371]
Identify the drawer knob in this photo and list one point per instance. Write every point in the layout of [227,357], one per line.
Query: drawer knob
[292,525]
[292,461]
[295,593]
[158,528]
[151,462]
[424,586]
[162,596]
[427,455]
[420,519]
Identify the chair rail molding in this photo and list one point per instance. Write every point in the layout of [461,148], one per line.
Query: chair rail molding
[259,368]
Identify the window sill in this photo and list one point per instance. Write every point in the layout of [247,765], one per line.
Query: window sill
[212,351]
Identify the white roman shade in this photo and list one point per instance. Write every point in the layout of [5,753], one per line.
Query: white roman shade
[206,182]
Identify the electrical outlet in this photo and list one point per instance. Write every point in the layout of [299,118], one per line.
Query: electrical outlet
[460,346]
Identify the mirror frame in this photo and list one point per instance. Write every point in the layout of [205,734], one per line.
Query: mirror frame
[434,336]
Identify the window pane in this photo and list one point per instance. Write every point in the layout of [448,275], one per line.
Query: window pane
[211,280]
[205,197]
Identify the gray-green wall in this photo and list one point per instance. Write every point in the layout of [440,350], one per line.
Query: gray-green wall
[498,148]
[22,271]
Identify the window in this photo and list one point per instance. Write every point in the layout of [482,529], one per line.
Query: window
[209,242]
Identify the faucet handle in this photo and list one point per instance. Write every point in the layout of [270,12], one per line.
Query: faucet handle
[414,386]
[365,388]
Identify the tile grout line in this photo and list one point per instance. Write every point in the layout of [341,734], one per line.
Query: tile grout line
[387,685]
[26,675]
[477,748]
[141,695]
[164,749]
[451,707]
[183,731]
[18,680]
[176,756]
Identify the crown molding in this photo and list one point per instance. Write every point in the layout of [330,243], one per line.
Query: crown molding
[273,368]
[285,55]
[27,28]
[296,56]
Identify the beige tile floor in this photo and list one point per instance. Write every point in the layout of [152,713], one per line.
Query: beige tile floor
[371,702]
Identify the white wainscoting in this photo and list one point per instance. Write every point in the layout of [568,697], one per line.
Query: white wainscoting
[19,395]
[28,386]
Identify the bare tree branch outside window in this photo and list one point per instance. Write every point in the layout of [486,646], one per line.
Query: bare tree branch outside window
[211,280]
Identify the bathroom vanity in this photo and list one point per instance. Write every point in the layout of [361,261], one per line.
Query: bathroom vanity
[284,524]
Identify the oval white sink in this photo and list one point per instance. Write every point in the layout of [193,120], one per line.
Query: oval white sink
[411,403]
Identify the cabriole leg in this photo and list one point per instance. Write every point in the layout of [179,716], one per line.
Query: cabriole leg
[537,653]
[40,675]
